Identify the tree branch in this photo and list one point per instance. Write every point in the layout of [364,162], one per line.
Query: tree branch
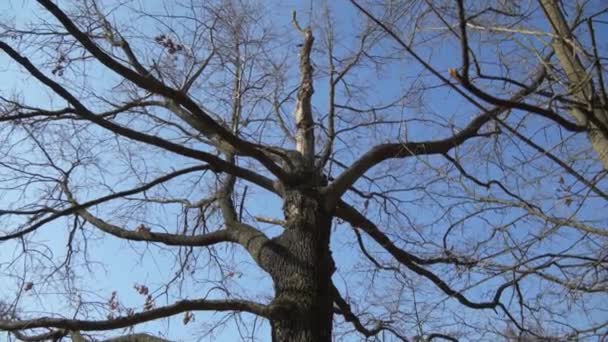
[383,152]
[356,219]
[103,199]
[53,335]
[349,316]
[154,86]
[138,318]
[84,112]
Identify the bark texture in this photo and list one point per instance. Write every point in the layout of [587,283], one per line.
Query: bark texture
[302,271]
[305,136]
[580,82]
[301,264]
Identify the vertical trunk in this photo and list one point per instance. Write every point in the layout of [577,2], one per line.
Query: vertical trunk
[305,135]
[302,276]
[303,266]
[580,82]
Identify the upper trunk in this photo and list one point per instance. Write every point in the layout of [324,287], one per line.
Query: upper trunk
[305,135]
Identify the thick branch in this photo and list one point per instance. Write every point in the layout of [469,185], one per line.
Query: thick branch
[518,104]
[164,238]
[138,318]
[383,152]
[356,219]
[258,245]
[84,112]
[201,127]
[103,199]
[145,234]
[466,82]
[349,316]
[156,87]
[53,335]
[601,146]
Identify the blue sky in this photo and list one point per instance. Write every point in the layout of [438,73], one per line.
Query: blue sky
[126,264]
[119,265]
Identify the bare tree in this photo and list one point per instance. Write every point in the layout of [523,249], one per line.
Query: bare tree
[424,194]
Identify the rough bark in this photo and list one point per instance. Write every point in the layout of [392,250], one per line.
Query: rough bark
[305,136]
[301,265]
[580,83]
[302,273]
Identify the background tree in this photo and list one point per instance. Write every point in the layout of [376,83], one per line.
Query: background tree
[344,178]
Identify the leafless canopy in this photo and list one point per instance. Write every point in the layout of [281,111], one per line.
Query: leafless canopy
[408,170]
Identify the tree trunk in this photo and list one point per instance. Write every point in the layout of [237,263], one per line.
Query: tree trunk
[580,82]
[302,273]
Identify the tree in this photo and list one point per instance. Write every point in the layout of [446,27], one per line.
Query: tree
[422,196]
